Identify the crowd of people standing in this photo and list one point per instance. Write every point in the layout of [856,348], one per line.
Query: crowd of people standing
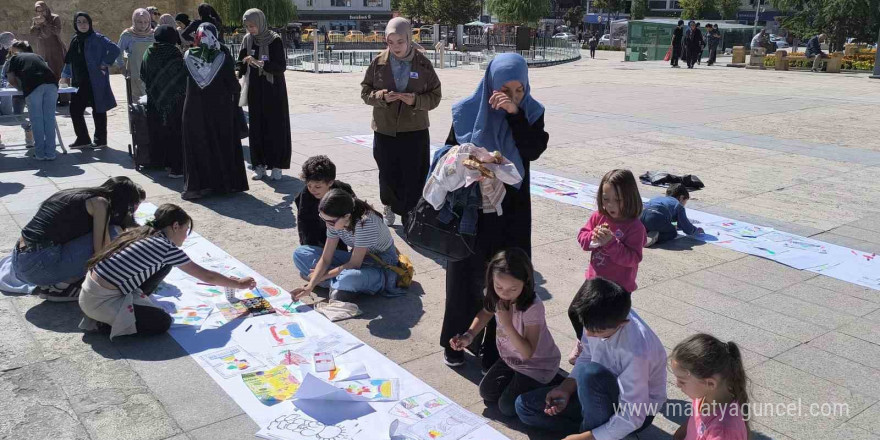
[83,244]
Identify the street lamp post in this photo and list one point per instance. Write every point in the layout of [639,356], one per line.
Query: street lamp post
[757,14]
[876,74]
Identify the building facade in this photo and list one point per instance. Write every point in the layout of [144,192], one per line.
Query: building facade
[344,15]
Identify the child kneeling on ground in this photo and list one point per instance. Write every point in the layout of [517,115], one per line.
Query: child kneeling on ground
[618,382]
[711,373]
[114,293]
[319,174]
[660,212]
[529,357]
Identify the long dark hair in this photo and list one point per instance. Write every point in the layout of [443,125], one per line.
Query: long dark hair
[516,263]
[209,14]
[338,203]
[627,189]
[166,215]
[704,356]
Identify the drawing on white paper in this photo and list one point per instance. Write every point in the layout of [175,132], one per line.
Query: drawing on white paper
[232,361]
[418,407]
[298,426]
[450,423]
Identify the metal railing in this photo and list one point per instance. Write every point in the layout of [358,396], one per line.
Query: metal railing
[543,52]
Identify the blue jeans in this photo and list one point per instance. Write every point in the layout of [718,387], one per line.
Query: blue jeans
[41,106]
[655,221]
[370,279]
[56,264]
[591,407]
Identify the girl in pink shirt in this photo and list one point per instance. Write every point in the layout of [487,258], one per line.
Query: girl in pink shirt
[529,357]
[614,236]
[711,373]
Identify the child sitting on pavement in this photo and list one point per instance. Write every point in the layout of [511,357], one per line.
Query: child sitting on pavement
[319,174]
[659,213]
[618,383]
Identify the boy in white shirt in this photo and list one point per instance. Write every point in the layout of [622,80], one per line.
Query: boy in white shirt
[618,383]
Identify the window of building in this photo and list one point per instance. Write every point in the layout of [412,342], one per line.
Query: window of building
[657,4]
[310,3]
[373,3]
[341,3]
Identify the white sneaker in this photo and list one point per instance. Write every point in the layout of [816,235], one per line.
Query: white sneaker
[651,239]
[389,216]
[276,173]
[259,172]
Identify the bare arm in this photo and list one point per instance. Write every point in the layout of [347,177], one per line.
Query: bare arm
[357,259]
[209,276]
[98,207]
[459,342]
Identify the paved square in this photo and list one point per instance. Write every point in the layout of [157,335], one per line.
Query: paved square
[796,151]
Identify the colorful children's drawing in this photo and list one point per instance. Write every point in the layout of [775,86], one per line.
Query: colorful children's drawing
[232,361]
[209,291]
[377,390]
[289,309]
[272,386]
[450,423]
[232,311]
[285,333]
[419,407]
[289,357]
[192,315]
[268,291]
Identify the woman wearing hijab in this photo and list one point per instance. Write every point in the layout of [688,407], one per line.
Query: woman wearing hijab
[164,75]
[213,160]
[263,59]
[500,116]
[86,67]
[402,87]
[133,42]
[46,33]
[182,21]
[207,14]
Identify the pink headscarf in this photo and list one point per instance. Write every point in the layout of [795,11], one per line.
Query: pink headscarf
[140,12]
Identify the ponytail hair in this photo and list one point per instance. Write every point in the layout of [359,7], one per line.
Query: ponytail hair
[166,215]
[338,203]
[704,356]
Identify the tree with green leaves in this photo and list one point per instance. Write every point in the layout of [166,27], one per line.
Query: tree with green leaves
[574,16]
[455,11]
[278,12]
[728,8]
[640,9]
[839,19]
[693,9]
[417,10]
[524,12]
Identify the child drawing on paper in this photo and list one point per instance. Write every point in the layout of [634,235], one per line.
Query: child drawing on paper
[114,293]
[659,214]
[529,358]
[614,236]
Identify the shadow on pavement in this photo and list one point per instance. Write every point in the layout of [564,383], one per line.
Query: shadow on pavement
[393,318]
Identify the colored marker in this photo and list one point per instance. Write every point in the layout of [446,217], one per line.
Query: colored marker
[206,284]
[249,327]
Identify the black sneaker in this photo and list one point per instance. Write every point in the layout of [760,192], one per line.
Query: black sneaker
[75,146]
[343,295]
[67,294]
[453,358]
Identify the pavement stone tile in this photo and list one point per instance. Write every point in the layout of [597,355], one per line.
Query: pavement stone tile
[804,311]
[36,407]
[138,417]
[850,242]
[724,285]
[236,427]
[747,336]
[741,270]
[864,330]
[855,376]
[844,287]
[795,383]
[869,419]
[827,298]
[849,347]
[17,347]
[669,308]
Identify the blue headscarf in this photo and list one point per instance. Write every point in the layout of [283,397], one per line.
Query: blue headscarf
[474,121]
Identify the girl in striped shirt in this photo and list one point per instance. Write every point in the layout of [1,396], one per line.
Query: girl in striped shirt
[114,294]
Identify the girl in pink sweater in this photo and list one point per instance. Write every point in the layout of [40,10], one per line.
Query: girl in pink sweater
[614,236]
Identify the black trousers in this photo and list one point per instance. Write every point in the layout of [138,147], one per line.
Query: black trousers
[503,385]
[592,52]
[78,103]
[404,161]
[152,320]
[676,54]
[692,55]
[713,52]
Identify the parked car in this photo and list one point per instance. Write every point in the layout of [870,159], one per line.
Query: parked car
[605,40]
[565,36]
[354,37]
[336,36]
[417,35]
[308,34]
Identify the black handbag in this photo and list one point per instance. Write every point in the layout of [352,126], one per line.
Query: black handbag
[425,232]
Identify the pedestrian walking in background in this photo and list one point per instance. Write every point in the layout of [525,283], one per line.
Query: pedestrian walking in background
[593,43]
[693,44]
[714,39]
[677,35]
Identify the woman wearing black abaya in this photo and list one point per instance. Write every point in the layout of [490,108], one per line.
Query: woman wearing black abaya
[164,75]
[207,14]
[263,59]
[213,160]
